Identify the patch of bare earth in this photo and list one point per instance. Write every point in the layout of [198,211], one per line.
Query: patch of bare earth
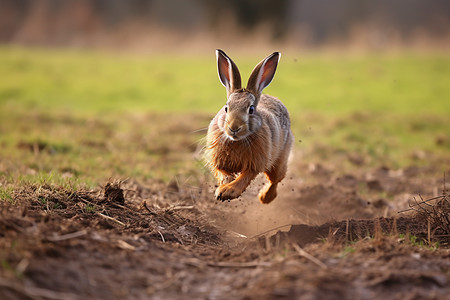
[138,241]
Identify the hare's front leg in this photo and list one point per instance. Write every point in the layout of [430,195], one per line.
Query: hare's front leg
[224,178]
[235,188]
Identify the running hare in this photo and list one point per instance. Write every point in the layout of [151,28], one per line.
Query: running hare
[250,134]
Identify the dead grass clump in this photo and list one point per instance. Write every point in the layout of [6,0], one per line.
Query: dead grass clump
[113,208]
[435,212]
[113,192]
[47,196]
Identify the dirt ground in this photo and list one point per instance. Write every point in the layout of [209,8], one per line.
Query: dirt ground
[134,240]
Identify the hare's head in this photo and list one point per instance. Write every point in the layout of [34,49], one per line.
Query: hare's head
[240,117]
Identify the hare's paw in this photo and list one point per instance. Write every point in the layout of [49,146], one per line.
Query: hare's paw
[227,192]
[268,193]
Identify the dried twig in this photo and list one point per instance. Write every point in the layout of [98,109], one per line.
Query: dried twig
[144,205]
[180,207]
[419,203]
[236,234]
[267,231]
[308,256]
[110,218]
[227,264]
[73,235]
[162,237]
[347,228]
[35,292]
[125,246]
[239,264]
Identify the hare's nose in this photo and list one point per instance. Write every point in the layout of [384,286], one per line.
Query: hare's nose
[235,130]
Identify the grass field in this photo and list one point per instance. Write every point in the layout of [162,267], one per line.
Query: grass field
[90,82]
[93,115]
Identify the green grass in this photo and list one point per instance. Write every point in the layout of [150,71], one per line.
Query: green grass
[88,83]
[92,115]
[93,82]
[418,242]
[90,208]
[6,194]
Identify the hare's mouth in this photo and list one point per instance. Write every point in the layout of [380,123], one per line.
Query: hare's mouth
[235,136]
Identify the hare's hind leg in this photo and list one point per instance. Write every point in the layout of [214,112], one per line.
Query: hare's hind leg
[269,191]
[274,176]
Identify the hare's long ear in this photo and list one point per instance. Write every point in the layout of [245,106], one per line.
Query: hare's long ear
[228,72]
[263,73]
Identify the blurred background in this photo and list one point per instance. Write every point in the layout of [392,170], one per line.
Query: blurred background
[92,89]
[196,25]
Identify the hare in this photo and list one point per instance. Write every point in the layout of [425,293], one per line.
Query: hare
[250,134]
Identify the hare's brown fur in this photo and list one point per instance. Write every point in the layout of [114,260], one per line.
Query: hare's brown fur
[241,145]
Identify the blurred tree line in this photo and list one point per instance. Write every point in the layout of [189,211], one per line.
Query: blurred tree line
[61,22]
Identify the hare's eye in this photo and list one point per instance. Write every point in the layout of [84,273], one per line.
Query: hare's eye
[226,108]
[251,109]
